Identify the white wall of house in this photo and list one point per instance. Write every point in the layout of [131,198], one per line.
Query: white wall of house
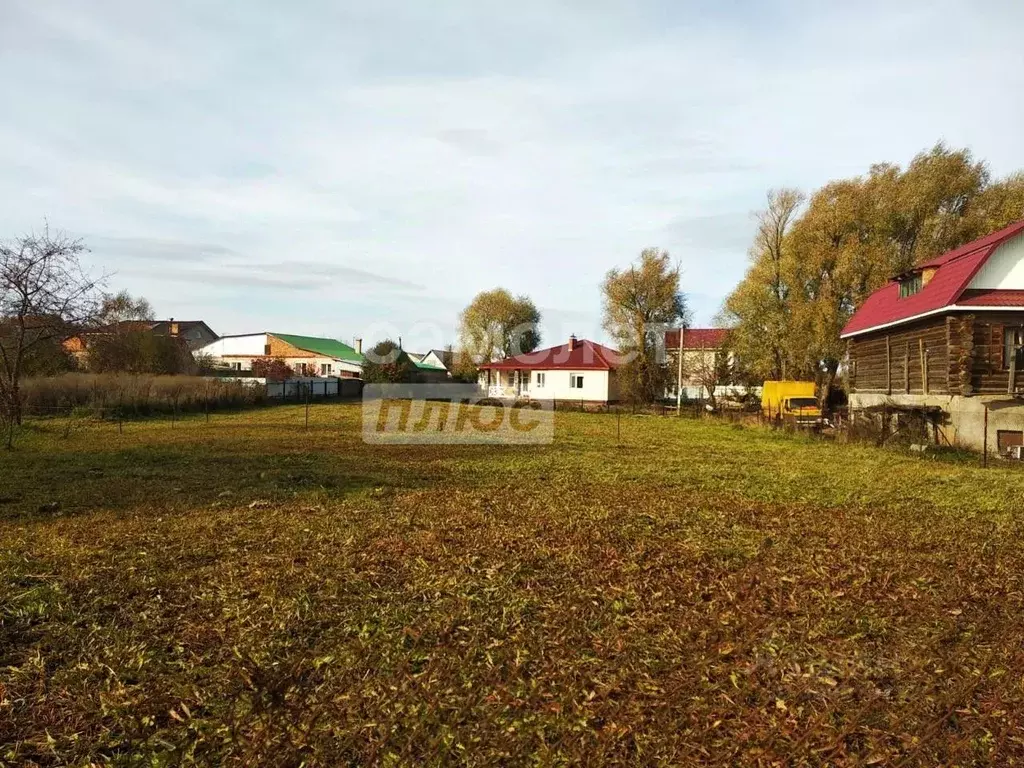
[1004,269]
[597,385]
[556,385]
[321,366]
[251,345]
[431,359]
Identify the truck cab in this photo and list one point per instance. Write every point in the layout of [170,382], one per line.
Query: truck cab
[792,402]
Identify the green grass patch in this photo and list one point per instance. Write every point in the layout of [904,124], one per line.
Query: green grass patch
[249,591]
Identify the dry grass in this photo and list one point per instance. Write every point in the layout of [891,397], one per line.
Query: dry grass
[134,395]
[250,592]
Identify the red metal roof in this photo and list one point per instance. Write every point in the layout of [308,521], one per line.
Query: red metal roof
[993,297]
[697,338]
[953,274]
[587,355]
[996,238]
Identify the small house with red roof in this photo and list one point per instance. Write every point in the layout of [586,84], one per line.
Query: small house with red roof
[949,333]
[580,370]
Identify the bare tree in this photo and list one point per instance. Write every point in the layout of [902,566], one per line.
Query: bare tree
[713,368]
[44,296]
[124,308]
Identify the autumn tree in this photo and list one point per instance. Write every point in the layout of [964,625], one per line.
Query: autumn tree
[464,367]
[497,324]
[639,304]
[122,307]
[45,295]
[387,363]
[808,277]
[123,342]
[759,307]
[138,351]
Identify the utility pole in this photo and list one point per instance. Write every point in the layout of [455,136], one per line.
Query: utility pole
[679,375]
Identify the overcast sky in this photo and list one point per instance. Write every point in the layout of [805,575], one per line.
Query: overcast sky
[358,169]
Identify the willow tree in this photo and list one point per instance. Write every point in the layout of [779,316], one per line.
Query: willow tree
[640,303]
[759,307]
[812,267]
[497,324]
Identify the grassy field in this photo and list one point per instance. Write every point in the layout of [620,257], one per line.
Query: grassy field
[247,591]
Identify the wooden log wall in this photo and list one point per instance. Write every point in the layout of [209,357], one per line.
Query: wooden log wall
[895,360]
[991,375]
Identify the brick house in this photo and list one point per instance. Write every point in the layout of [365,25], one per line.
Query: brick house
[306,355]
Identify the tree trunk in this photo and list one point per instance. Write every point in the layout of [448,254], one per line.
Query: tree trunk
[9,416]
[16,402]
[827,380]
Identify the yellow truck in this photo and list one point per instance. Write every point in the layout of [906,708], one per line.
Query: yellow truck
[792,402]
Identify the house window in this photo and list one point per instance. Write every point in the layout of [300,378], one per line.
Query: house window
[540,380]
[266,349]
[910,285]
[236,366]
[325,369]
[1013,346]
[575,381]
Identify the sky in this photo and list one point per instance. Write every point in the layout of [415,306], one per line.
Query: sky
[364,169]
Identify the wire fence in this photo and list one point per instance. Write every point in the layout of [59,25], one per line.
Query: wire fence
[1001,433]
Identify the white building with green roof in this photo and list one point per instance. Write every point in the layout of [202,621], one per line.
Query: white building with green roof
[306,355]
[429,366]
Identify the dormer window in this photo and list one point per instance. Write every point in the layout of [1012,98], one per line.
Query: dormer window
[910,285]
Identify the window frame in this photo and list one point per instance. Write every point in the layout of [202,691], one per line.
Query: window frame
[575,381]
[1011,342]
[540,380]
[911,286]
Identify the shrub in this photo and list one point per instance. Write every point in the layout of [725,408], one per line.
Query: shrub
[387,363]
[275,369]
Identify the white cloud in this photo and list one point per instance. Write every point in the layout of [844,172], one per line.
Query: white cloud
[459,147]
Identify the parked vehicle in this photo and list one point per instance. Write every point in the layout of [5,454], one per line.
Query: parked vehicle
[793,402]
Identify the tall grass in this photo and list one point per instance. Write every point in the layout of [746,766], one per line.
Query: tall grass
[108,394]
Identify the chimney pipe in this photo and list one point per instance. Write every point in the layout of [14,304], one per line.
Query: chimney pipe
[359,346]
[572,342]
[173,327]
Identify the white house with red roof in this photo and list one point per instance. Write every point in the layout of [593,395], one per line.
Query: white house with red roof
[580,370]
[949,334]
